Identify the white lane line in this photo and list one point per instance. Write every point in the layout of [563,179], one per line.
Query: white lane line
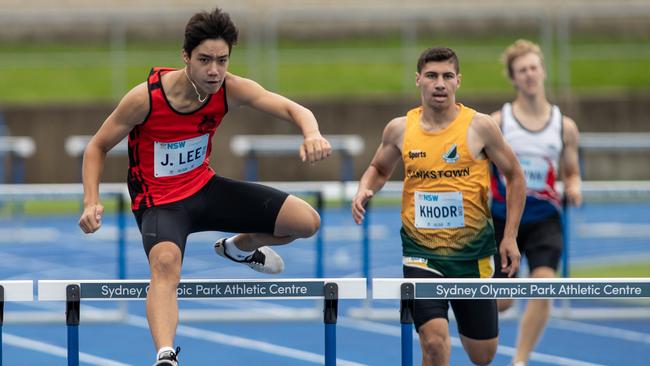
[391,330]
[546,358]
[29,235]
[600,330]
[53,350]
[241,342]
[614,230]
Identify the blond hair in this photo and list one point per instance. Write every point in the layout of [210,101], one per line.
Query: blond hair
[519,48]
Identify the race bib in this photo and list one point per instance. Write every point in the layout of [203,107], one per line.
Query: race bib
[536,171]
[441,210]
[174,158]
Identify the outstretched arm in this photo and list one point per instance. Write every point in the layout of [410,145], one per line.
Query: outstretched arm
[242,91]
[381,167]
[130,111]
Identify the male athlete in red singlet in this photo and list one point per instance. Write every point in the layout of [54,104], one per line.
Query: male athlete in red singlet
[170,121]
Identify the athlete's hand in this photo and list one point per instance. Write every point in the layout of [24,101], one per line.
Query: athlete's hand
[359,204]
[91,219]
[509,253]
[315,148]
[573,195]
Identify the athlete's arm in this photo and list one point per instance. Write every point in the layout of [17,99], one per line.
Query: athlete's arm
[485,130]
[569,164]
[242,91]
[381,167]
[131,111]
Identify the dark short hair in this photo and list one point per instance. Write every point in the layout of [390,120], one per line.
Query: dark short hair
[437,54]
[209,25]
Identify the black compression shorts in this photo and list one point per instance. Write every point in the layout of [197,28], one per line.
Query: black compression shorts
[540,242]
[221,205]
[476,319]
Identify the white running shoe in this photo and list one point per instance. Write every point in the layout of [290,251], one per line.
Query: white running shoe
[168,358]
[264,259]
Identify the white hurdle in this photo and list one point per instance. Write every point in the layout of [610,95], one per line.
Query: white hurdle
[22,290]
[328,289]
[253,146]
[520,288]
[408,290]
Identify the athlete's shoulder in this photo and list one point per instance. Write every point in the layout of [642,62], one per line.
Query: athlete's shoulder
[237,82]
[137,96]
[134,106]
[157,69]
[482,121]
[568,122]
[569,131]
[241,90]
[394,130]
[233,79]
[397,124]
[483,130]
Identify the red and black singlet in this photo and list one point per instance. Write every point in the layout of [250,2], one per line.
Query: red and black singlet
[169,152]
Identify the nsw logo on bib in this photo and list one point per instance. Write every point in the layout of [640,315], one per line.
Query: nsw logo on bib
[178,157]
[439,210]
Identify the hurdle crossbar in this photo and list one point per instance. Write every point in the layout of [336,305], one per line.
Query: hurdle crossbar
[53,290]
[328,289]
[201,289]
[22,290]
[521,288]
[253,146]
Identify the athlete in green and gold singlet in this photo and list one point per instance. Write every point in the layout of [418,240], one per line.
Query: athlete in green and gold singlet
[447,229]
[445,213]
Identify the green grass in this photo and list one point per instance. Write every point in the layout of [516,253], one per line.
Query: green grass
[620,74]
[51,207]
[339,79]
[632,269]
[346,67]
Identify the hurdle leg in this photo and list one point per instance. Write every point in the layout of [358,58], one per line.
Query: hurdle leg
[566,303]
[121,237]
[407,294]
[73,302]
[2,317]
[320,242]
[250,166]
[330,314]
[365,255]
